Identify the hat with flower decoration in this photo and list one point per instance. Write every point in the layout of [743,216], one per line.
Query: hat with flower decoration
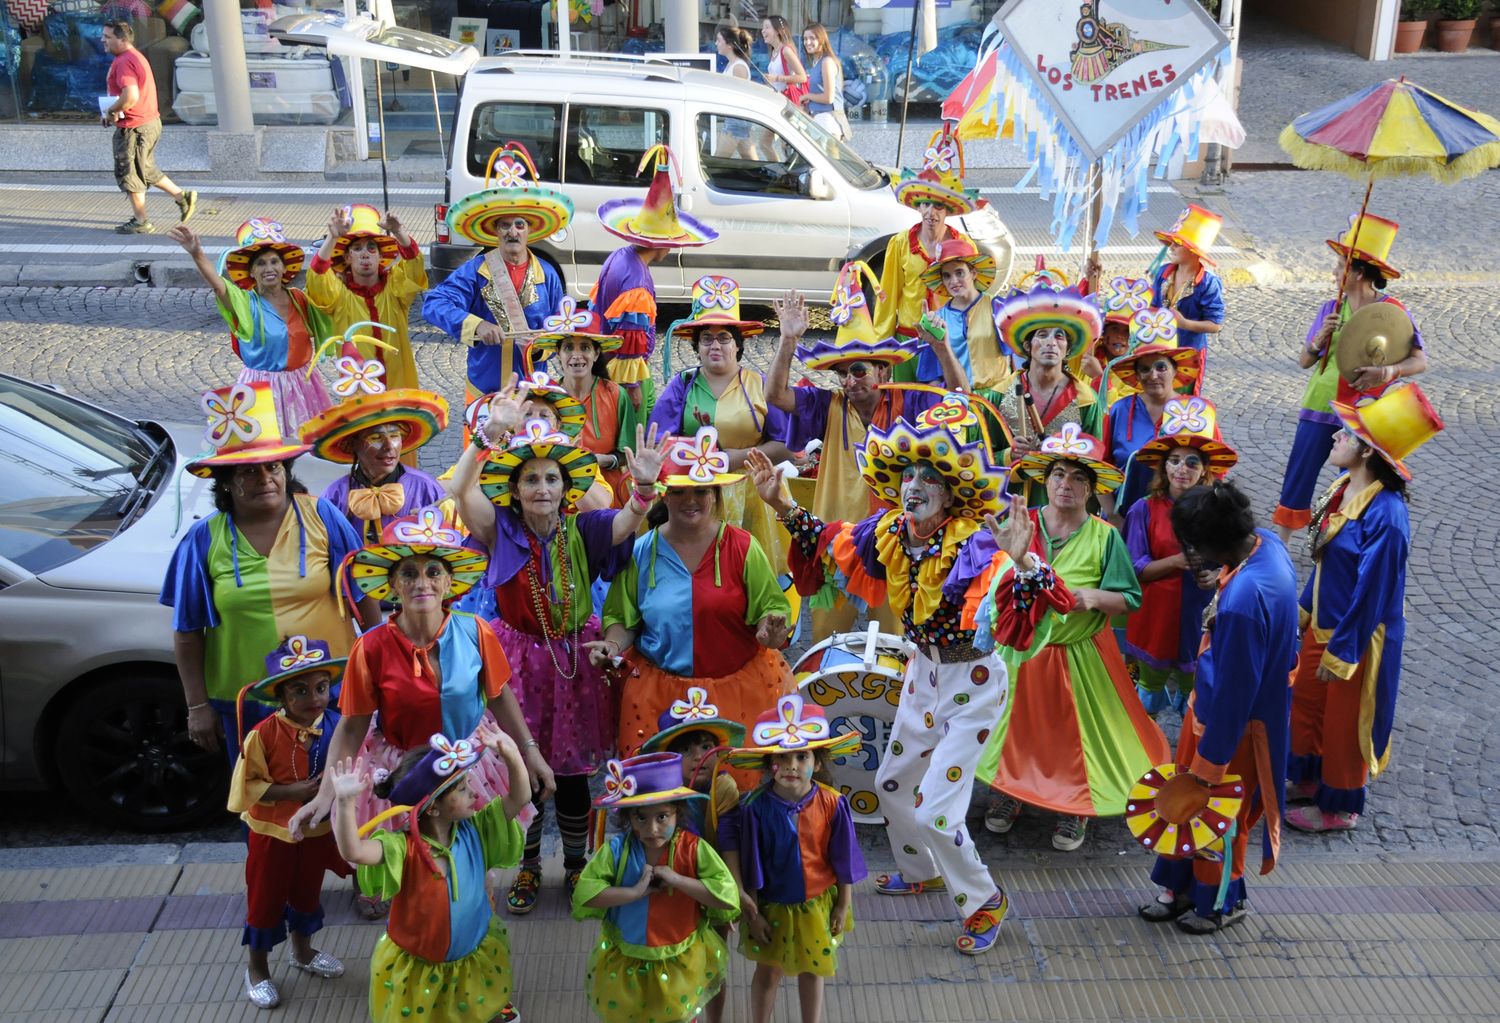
[446,762]
[570,322]
[977,484]
[646,780]
[364,222]
[427,533]
[1154,332]
[510,191]
[941,178]
[654,222]
[243,429]
[538,439]
[850,313]
[295,657]
[716,303]
[253,237]
[1177,815]
[792,725]
[960,250]
[700,462]
[569,410]
[1071,444]
[693,713]
[1394,424]
[1188,421]
[365,404]
[1019,313]
[1120,298]
[1195,230]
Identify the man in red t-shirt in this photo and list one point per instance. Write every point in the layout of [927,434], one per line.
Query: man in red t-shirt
[137,124]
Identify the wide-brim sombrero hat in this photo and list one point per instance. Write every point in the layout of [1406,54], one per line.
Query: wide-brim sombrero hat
[791,726]
[1189,421]
[977,484]
[364,223]
[1175,815]
[422,415]
[243,428]
[424,534]
[1021,312]
[827,354]
[475,216]
[538,440]
[699,461]
[1071,444]
[264,691]
[253,237]
[1188,361]
[570,322]
[654,221]
[982,263]
[694,714]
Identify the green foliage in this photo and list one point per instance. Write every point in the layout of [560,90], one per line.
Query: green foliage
[1459,10]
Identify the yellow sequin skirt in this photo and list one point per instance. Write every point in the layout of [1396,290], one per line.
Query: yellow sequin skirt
[623,989]
[404,988]
[801,939]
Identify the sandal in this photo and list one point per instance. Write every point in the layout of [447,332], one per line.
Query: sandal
[1192,923]
[371,908]
[522,897]
[1159,912]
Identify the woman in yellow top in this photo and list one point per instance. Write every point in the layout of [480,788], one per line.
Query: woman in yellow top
[371,269]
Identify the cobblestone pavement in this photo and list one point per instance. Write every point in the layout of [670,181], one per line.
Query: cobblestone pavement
[149,352]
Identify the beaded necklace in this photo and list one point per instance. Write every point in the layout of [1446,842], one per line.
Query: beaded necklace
[542,604]
[311,751]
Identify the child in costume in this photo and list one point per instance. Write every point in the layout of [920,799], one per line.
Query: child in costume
[791,847]
[279,769]
[659,890]
[370,269]
[1185,284]
[445,956]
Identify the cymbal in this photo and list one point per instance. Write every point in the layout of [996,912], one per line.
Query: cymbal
[1380,334]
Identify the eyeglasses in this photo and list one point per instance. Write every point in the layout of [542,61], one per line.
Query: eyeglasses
[721,340]
[410,573]
[857,370]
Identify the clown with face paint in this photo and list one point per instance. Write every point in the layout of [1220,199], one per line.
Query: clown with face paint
[931,559]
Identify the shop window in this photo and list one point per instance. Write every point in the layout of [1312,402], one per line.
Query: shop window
[605,144]
[534,125]
[738,155]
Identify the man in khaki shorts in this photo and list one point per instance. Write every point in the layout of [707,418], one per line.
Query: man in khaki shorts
[137,123]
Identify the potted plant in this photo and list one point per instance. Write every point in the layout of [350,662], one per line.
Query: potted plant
[1456,24]
[1412,26]
[1495,26]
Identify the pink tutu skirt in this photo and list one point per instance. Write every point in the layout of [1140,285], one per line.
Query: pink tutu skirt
[298,397]
[572,719]
[489,780]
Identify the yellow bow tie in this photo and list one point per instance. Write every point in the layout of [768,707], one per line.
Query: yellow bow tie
[372,503]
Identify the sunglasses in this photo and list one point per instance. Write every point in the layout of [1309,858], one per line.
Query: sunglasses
[857,370]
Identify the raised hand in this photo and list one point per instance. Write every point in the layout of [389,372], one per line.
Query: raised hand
[393,227]
[791,312]
[339,223]
[505,410]
[647,457]
[350,778]
[1014,535]
[187,238]
[767,480]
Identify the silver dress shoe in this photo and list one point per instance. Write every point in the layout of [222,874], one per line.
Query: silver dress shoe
[322,964]
[263,995]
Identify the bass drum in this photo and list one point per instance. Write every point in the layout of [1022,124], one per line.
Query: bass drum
[856,678]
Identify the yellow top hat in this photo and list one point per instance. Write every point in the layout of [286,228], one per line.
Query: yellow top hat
[716,303]
[1369,238]
[243,428]
[850,313]
[1120,298]
[654,221]
[364,223]
[1394,424]
[1195,230]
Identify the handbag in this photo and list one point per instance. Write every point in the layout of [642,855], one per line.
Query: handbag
[795,92]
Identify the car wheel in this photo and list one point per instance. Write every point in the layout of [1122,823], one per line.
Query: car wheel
[124,754]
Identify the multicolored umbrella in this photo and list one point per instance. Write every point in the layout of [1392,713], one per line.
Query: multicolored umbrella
[1394,129]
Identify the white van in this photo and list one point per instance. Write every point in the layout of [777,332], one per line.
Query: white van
[790,202]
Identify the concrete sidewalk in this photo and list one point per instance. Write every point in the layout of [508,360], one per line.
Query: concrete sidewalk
[1395,941]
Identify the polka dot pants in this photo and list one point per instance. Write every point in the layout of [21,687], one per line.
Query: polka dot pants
[927,774]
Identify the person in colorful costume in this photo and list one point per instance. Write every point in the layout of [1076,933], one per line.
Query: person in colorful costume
[375,432]
[578,344]
[839,419]
[371,270]
[1354,611]
[661,893]
[1237,719]
[1185,282]
[722,393]
[275,329]
[1156,371]
[966,278]
[936,192]
[261,568]
[497,299]
[1119,299]
[1075,737]
[791,847]
[624,294]
[932,560]
[1163,636]
[519,503]
[281,760]
[1045,328]
[445,955]
[1366,248]
[697,605]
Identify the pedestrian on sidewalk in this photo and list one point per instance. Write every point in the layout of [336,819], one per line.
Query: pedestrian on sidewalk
[1236,723]
[137,122]
[825,83]
[280,768]
[1354,607]
[371,269]
[1186,283]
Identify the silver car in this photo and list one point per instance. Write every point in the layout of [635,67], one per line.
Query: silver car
[91,507]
